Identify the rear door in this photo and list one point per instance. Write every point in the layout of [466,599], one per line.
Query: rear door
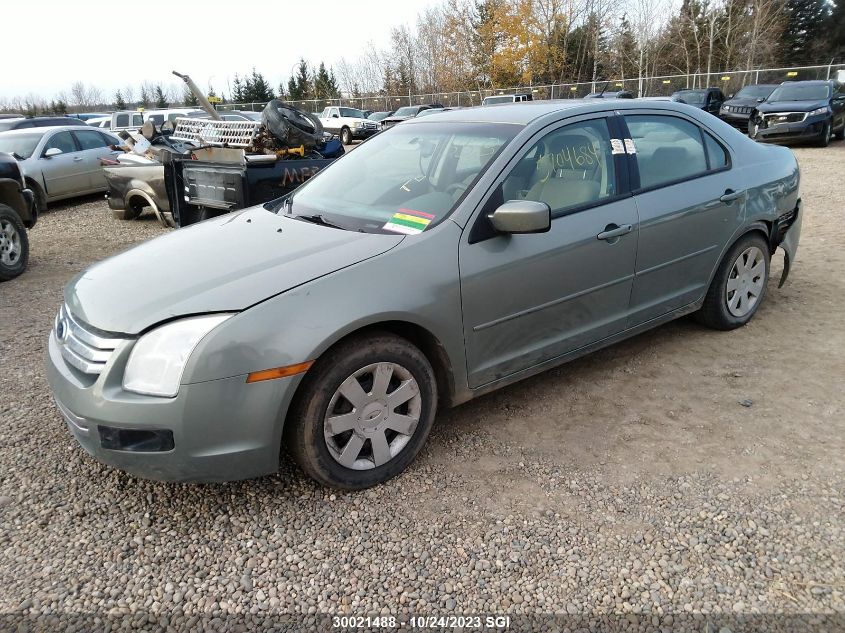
[92,146]
[64,174]
[528,299]
[689,201]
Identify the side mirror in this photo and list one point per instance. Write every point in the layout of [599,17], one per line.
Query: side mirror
[335,116]
[730,96]
[522,216]
[760,99]
[53,151]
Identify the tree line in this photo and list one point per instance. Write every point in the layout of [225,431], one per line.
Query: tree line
[462,45]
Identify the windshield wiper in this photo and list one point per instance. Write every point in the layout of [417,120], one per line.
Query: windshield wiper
[320,219]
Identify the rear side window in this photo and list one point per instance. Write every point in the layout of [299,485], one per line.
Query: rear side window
[669,149]
[122,120]
[89,139]
[715,152]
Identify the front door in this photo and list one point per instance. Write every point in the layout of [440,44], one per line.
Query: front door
[93,146]
[64,173]
[690,200]
[531,298]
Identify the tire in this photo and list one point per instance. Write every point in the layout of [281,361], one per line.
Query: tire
[314,444]
[824,139]
[38,192]
[14,244]
[717,311]
[840,135]
[131,211]
[346,136]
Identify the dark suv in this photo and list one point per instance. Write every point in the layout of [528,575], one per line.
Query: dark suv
[738,107]
[17,213]
[801,111]
[708,99]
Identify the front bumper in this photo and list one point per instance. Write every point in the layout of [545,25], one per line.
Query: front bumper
[220,430]
[809,130]
[362,133]
[735,119]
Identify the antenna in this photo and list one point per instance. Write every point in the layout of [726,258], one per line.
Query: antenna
[606,84]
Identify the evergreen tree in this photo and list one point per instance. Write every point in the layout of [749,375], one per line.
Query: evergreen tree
[189,98]
[238,90]
[60,108]
[257,88]
[834,35]
[625,50]
[803,37]
[161,100]
[144,98]
[119,102]
[298,85]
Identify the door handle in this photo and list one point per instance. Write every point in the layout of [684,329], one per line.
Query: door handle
[730,195]
[612,231]
[76,159]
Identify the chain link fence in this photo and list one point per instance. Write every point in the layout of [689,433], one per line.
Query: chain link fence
[729,81]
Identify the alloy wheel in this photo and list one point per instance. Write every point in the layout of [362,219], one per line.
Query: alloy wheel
[372,416]
[10,243]
[745,282]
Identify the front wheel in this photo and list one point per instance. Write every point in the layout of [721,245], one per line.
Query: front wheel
[824,139]
[739,285]
[363,412]
[346,136]
[840,135]
[14,244]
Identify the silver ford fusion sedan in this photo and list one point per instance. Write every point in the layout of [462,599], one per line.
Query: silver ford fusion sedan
[443,259]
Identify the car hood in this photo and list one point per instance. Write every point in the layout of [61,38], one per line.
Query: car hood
[397,119]
[226,264]
[791,106]
[743,101]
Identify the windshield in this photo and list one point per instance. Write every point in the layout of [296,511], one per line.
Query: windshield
[378,116]
[800,92]
[402,181]
[407,111]
[353,113]
[505,99]
[22,145]
[755,92]
[692,97]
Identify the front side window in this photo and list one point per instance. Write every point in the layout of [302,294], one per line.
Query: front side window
[122,120]
[137,120]
[567,168]
[63,141]
[669,148]
[418,171]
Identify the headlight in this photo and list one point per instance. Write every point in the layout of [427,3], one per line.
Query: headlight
[824,110]
[158,359]
[357,124]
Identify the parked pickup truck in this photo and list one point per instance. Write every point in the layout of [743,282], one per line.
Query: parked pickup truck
[348,123]
[216,180]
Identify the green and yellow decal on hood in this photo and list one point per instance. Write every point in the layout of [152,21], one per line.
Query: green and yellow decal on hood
[408,221]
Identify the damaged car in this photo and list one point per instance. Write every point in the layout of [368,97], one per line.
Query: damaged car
[441,260]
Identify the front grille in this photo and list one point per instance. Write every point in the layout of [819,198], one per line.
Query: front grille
[81,348]
[784,117]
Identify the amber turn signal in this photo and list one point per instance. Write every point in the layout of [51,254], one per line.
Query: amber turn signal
[279,372]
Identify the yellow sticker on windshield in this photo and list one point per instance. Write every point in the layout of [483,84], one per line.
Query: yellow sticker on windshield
[408,221]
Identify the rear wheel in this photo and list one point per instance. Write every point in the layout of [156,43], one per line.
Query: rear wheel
[14,244]
[739,285]
[363,412]
[131,211]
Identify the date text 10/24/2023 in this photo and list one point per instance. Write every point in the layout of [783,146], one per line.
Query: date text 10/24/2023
[459,622]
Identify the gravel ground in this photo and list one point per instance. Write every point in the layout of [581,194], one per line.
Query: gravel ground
[681,478]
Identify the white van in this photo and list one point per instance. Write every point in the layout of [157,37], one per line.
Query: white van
[171,114]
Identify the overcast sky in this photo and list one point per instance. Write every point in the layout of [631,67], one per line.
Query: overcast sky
[52,43]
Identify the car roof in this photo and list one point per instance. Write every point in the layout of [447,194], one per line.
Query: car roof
[819,82]
[527,111]
[48,128]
